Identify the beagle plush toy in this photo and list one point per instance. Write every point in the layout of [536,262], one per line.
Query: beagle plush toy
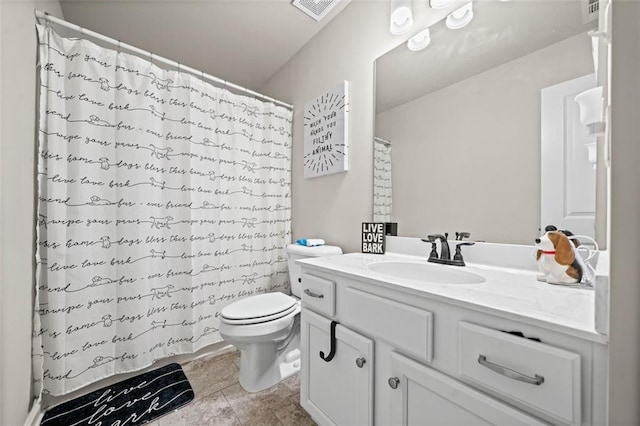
[556,257]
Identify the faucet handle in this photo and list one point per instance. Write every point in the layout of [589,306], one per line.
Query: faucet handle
[462,235]
[457,258]
[434,251]
[466,243]
[434,237]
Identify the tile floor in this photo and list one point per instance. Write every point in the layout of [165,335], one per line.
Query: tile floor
[220,400]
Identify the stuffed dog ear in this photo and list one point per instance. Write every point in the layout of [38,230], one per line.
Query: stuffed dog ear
[564,251]
[570,234]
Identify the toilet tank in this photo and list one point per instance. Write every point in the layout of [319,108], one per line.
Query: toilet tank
[296,251]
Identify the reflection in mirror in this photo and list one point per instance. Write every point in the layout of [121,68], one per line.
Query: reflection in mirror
[382,188]
[465,120]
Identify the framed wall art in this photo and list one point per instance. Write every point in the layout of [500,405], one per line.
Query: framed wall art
[326,133]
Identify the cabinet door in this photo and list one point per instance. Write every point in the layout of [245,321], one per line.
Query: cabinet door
[424,396]
[338,392]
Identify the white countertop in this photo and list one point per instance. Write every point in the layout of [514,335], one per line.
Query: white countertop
[508,293]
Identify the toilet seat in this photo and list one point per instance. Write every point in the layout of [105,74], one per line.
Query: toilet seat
[258,309]
[258,320]
[261,331]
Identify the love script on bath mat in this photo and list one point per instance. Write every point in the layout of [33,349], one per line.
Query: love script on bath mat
[134,401]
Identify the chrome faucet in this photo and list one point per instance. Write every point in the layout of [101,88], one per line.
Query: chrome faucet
[445,253]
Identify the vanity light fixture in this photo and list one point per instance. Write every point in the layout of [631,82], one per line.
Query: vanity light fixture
[419,41]
[401,16]
[460,17]
[591,105]
[440,4]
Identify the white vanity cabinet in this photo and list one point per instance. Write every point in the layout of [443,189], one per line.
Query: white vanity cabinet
[432,361]
[338,391]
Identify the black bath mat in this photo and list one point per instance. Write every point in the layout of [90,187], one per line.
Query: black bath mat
[134,401]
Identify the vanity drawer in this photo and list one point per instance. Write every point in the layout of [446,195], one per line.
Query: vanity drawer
[408,329]
[319,294]
[534,374]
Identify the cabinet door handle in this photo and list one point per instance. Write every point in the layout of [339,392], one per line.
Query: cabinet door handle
[332,353]
[393,382]
[312,294]
[512,374]
[360,362]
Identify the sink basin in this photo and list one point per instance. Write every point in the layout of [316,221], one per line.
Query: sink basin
[426,272]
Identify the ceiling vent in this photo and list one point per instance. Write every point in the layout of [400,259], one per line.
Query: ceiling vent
[590,11]
[317,9]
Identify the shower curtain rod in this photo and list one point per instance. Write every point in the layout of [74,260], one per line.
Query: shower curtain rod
[144,53]
[384,141]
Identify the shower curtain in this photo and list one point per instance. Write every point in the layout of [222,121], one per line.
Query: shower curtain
[382,187]
[160,200]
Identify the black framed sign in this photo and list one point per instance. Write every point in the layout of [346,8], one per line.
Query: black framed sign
[373,237]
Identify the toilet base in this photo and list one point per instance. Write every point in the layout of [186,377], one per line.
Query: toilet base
[262,365]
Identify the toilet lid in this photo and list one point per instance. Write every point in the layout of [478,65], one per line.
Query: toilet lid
[259,308]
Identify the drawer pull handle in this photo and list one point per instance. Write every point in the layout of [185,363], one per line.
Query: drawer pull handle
[360,362]
[312,294]
[393,382]
[537,380]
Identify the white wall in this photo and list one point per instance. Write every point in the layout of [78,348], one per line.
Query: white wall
[467,157]
[17,155]
[333,207]
[624,362]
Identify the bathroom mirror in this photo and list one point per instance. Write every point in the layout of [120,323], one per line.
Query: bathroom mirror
[459,124]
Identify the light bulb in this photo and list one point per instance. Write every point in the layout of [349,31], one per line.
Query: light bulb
[419,41]
[460,17]
[401,16]
[440,4]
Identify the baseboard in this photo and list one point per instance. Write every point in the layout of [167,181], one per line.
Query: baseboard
[35,414]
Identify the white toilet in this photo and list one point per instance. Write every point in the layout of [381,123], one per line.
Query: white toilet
[266,327]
